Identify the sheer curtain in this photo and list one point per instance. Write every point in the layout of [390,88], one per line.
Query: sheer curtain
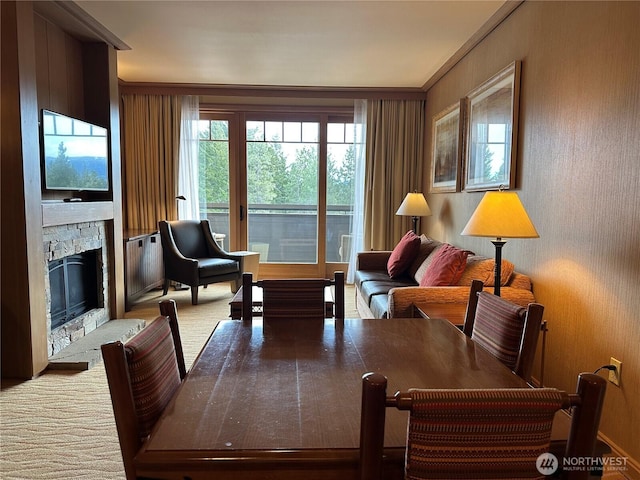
[357,217]
[189,208]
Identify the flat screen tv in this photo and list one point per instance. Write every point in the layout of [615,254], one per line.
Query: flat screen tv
[75,154]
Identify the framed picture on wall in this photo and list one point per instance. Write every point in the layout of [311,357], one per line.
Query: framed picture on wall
[447,148]
[492,132]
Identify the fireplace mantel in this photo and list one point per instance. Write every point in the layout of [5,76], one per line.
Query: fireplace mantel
[63,213]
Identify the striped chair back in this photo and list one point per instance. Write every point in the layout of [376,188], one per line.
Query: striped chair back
[143,376]
[508,331]
[289,298]
[498,327]
[154,373]
[479,433]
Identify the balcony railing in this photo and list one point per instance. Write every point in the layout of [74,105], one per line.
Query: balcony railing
[288,233]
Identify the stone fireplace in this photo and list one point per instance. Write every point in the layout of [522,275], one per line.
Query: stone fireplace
[66,242]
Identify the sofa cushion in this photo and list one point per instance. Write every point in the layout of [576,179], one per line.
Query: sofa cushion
[482,268]
[376,287]
[209,267]
[446,267]
[362,276]
[425,265]
[427,246]
[506,270]
[403,254]
[520,281]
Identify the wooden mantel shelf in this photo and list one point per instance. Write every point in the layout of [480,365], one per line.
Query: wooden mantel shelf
[63,213]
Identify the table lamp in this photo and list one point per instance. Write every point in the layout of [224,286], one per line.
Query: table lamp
[500,215]
[414,205]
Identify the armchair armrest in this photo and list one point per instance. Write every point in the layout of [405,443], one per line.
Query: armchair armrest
[373,260]
[213,247]
[176,266]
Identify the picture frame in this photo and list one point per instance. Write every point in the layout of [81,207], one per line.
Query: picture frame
[446,153]
[492,132]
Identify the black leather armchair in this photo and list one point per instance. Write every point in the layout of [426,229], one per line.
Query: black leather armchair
[191,256]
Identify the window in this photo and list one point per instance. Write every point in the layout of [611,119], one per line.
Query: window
[283,190]
[289,178]
[214,174]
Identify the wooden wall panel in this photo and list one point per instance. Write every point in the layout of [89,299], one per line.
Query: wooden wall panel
[59,69]
[42,62]
[24,332]
[57,78]
[74,77]
[44,67]
[579,178]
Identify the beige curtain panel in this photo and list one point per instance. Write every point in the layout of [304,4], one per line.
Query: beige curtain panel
[151,132]
[394,167]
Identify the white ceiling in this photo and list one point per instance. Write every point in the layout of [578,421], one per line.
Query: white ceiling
[289,43]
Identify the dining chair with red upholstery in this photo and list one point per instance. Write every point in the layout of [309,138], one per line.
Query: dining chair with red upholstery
[143,375]
[508,331]
[484,433]
[293,298]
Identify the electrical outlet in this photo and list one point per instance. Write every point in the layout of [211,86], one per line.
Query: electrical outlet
[614,375]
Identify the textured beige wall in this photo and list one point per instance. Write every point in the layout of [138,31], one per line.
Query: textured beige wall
[578,175]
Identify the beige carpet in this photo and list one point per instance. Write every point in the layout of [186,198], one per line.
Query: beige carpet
[60,425]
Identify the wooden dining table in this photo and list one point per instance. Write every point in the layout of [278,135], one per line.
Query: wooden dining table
[283,400]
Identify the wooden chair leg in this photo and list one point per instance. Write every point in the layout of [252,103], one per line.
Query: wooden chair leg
[165,286]
[194,295]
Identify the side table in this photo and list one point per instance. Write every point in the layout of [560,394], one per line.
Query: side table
[249,262]
[454,312]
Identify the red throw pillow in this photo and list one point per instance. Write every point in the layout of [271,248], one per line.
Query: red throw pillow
[403,254]
[446,268]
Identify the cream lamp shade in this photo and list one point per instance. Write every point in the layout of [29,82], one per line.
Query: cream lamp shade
[500,215]
[414,205]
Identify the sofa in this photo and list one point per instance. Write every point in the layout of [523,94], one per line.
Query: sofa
[386,292]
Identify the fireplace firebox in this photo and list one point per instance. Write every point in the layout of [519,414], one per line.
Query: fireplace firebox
[74,281]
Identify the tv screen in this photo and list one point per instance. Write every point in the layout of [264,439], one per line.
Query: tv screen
[74,154]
